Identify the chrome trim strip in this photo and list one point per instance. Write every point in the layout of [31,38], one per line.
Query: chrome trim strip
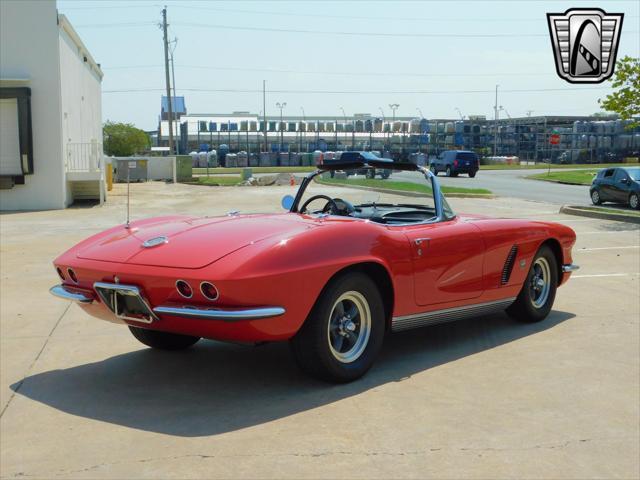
[448,314]
[63,292]
[229,315]
[570,267]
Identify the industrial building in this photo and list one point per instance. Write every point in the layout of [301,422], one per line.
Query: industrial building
[581,138]
[50,110]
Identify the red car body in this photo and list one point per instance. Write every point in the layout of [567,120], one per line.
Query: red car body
[285,260]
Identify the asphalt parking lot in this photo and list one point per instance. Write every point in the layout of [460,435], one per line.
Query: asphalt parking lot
[481,398]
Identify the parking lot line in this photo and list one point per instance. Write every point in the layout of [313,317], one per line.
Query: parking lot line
[605,248]
[603,275]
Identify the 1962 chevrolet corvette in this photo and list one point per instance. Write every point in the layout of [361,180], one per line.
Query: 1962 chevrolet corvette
[332,279]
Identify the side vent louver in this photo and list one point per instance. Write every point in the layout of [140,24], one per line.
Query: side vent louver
[508,265]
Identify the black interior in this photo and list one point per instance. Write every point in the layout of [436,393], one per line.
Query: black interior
[376,212]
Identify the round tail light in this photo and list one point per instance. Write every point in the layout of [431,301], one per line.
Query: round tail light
[209,291]
[60,274]
[72,275]
[184,289]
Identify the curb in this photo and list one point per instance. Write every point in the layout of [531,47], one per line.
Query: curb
[582,212]
[530,177]
[409,194]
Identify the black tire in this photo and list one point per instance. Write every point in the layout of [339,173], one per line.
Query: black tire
[524,309]
[634,201]
[596,199]
[386,174]
[313,346]
[370,173]
[447,172]
[434,170]
[162,340]
[472,174]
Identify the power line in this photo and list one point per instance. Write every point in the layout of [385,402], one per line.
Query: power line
[360,92]
[361,17]
[360,34]
[338,73]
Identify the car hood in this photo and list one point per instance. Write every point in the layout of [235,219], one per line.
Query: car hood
[190,242]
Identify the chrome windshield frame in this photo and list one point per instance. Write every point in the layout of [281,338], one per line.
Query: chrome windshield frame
[429,176]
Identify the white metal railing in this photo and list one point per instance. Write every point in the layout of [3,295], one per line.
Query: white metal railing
[84,157]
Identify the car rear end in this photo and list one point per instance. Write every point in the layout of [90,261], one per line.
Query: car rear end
[466,162]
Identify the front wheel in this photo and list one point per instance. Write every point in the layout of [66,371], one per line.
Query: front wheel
[448,172]
[472,174]
[538,293]
[595,197]
[434,170]
[343,334]
[162,340]
[634,202]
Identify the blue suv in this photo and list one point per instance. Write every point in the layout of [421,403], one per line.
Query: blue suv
[453,162]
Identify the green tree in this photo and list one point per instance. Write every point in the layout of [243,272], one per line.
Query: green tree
[123,139]
[625,100]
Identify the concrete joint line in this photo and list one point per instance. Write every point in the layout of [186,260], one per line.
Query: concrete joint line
[46,341]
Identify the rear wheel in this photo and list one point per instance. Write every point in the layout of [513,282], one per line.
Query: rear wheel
[538,293]
[595,197]
[448,171]
[343,334]
[472,174]
[162,340]
[434,170]
[634,202]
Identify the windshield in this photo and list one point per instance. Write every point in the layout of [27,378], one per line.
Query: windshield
[634,173]
[382,196]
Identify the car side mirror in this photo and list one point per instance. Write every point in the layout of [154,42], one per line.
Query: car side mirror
[287,202]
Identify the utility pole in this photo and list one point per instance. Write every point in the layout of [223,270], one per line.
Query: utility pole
[264,113]
[173,81]
[167,81]
[495,116]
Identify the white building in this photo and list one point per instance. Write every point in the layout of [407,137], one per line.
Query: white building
[50,110]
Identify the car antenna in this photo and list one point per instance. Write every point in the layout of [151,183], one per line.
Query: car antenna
[127,226]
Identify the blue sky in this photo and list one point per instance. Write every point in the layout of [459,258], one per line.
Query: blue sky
[361,55]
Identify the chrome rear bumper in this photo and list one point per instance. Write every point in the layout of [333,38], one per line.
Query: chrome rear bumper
[66,293]
[228,315]
[184,311]
[570,268]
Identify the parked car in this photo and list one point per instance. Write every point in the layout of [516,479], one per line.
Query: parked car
[618,185]
[454,162]
[361,157]
[330,275]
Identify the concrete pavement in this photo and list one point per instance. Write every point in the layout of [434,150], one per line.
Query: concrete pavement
[482,398]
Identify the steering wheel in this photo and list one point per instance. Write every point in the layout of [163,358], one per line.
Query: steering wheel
[330,202]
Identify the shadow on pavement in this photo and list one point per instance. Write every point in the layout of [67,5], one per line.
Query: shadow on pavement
[215,388]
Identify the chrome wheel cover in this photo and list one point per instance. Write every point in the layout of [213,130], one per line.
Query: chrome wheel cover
[349,327]
[595,197]
[540,282]
[633,201]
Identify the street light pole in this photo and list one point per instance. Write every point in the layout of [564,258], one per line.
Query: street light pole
[393,107]
[495,138]
[281,107]
[344,115]
[304,121]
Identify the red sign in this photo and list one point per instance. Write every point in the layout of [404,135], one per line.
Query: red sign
[554,139]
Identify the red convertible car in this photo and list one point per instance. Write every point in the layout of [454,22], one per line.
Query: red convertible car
[331,279]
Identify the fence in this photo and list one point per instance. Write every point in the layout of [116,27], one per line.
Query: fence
[84,157]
